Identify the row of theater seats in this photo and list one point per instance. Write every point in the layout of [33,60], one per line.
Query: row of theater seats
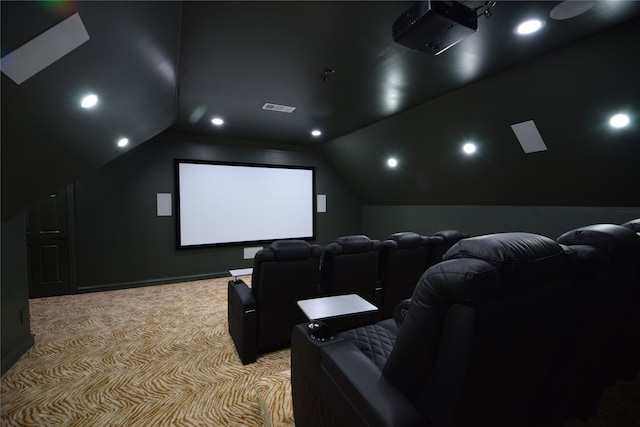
[510,329]
[384,272]
[261,318]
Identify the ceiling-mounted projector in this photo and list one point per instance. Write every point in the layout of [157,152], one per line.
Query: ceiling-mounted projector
[434,26]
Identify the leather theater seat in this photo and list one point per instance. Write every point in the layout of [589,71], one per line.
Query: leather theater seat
[404,257]
[262,317]
[634,225]
[473,350]
[607,346]
[441,241]
[350,266]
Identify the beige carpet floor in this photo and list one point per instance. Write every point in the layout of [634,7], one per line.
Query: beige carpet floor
[162,356]
[154,356]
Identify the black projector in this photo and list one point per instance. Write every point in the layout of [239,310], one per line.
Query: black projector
[434,26]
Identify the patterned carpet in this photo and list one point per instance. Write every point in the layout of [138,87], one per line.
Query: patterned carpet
[154,356]
[162,356]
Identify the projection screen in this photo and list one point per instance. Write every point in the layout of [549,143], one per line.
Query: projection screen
[229,203]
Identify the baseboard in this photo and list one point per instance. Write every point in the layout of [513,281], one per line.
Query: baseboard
[16,352]
[152,282]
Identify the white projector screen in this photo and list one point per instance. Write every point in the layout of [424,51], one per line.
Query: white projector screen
[230,203]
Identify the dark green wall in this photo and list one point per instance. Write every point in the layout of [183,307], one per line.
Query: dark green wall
[570,93]
[380,221]
[120,241]
[16,335]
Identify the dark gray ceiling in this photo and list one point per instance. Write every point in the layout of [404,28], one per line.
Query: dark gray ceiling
[130,61]
[172,65]
[235,56]
[569,93]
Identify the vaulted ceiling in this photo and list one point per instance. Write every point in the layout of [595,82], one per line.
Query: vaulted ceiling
[176,65]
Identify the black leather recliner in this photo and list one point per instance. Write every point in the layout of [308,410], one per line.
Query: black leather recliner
[607,337]
[474,348]
[262,317]
[404,257]
[350,266]
[634,225]
[441,241]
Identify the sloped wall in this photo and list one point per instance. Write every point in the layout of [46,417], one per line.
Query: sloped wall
[569,93]
[16,334]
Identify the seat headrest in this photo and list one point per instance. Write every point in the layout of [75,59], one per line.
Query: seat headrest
[634,225]
[608,237]
[407,240]
[289,250]
[461,281]
[519,253]
[357,243]
[451,235]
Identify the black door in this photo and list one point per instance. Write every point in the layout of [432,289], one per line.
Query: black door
[48,246]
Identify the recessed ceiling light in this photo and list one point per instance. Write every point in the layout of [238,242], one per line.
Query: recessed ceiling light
[123,142]
[217,121]
[89,101]
[529,27]
[392,162]
[619,121]
[469,148]
[316,132]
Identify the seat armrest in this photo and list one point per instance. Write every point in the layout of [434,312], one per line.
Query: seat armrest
[378,298]
[243,320]
[242,294]
[377,400]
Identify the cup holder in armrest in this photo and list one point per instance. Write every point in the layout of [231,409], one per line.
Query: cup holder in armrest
[320,331]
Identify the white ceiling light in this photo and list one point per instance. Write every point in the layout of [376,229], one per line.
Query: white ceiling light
[469,148]
[89,101]
[392,162]
[316,132]
[217,121]
[619,121]
[123,142]
[529,27]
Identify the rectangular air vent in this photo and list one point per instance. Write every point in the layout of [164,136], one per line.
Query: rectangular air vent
[280,108]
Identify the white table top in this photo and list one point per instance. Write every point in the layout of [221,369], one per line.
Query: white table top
[241,272]
[340,305]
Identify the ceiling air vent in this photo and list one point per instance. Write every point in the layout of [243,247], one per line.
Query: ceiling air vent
[280,108]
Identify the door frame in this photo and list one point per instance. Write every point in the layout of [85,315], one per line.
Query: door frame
[71,229]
